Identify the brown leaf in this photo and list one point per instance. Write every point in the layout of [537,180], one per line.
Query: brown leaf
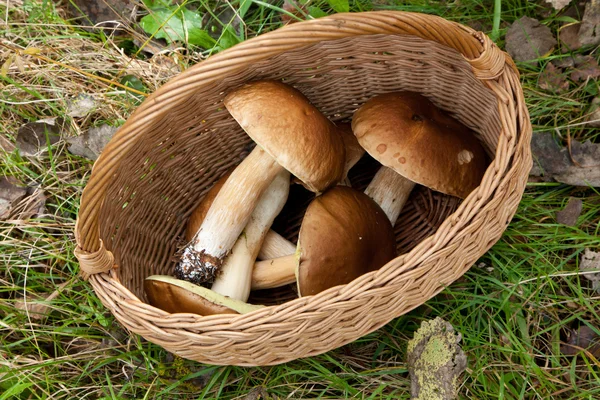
[583,338]
[558,4]
[82,105]
[590,261]
[586,67]
[291,6]
[569,37]
[92,12]
[91,143]
[38,307]
[527,39]
[553,80]
[589,32]
[11,191]
[554,162]
[569,214]
[31,139]
[593,116]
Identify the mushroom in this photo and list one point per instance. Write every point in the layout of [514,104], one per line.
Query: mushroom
[178,296]
[232,283]
[417,143]
[291,134]
[344,234]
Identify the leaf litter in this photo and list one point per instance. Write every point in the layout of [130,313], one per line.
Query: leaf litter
[577,166]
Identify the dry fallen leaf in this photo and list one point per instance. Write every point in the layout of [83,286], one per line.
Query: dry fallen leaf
[558,4]
[589,31]
[435,361]
[554,162]
[590,261]
[92,12]
[91,143]
[527,39]
[293,8]
[11,191]
[586,67]
[81,105]
[569,37]
[553,80]
[33,138]
[593,117]
[39,307]
[569,214]
[582,338]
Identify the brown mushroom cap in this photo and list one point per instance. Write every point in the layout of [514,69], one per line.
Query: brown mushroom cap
[282,121]
[344,234]
[178,296]
[406,132]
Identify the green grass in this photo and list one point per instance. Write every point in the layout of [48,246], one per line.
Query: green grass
[513,308]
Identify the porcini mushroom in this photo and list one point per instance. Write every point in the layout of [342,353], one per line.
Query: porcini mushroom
[290,134]
[178,296]
[418,144]
[231,287]
[343,235]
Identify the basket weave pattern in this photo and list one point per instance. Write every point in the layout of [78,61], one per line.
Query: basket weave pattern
[181,140]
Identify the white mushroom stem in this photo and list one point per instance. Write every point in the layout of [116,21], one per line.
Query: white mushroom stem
[275,246]
[234,278]
[227,216]
[390,190]
[274,273]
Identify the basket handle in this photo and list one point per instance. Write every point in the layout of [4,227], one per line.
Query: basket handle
[487,60]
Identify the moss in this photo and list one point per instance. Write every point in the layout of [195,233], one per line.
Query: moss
[435,361]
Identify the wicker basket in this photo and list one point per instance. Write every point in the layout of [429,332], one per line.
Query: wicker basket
[181,140]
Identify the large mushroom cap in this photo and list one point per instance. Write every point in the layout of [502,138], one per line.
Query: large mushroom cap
[282,121]
[406,132]
[344,234]
[178,296]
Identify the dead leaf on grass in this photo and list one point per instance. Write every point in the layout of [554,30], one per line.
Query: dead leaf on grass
[569,37]
[582,338]
[589,31]
[558,4]
[527,39]
[553,80]
[104,12]
[91,143]
[590,261]
[11,191]
[81,105]
[569,214]
[586,67]
[593,117]
[554,162]
[292,6]
[435,361]
[38,307]
[33,138]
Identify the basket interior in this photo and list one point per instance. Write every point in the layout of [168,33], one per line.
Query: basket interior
[195,141]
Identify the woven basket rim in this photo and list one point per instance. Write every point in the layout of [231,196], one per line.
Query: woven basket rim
[498,67]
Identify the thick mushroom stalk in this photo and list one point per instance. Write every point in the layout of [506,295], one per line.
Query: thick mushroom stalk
[390,190]
[290,134]
[234,279]
[231,288]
